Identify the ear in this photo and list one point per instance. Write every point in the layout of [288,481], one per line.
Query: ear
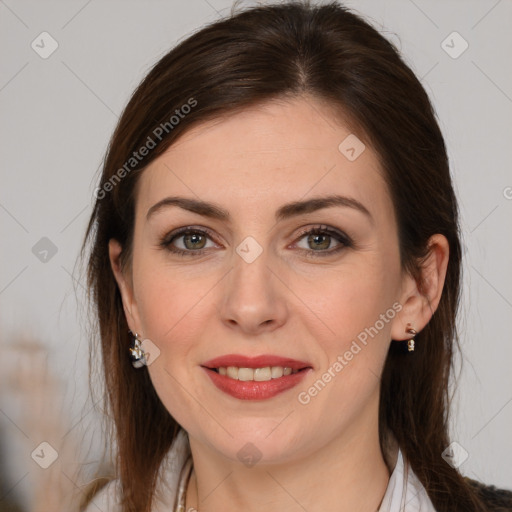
[125,284]
[419,305]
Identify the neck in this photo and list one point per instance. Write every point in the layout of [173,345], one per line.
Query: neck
[343,475]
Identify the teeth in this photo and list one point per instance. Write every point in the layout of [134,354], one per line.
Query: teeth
[277,371]
[262,374]
[255,374]
[232,372]
[245,374]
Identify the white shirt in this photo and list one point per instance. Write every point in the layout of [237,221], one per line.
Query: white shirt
[404,492]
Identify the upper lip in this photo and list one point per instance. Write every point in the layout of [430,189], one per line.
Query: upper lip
[262,361]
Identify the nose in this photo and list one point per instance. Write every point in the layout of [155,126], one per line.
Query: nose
[254,299]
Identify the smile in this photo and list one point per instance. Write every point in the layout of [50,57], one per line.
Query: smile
[255,378]
[255,374]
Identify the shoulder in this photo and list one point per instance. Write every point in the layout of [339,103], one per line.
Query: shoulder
[108,497]
[496,500]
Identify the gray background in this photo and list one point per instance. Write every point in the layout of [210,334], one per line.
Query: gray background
[58,114]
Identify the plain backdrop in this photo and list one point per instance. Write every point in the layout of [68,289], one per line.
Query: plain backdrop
[57,115]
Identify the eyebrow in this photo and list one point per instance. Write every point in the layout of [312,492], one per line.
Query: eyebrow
[286,211]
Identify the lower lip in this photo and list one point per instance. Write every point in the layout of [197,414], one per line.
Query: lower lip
[255,390]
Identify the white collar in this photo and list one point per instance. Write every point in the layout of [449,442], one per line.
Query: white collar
[404,488]
[404,492]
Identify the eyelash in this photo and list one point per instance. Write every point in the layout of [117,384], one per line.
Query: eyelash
[343,239]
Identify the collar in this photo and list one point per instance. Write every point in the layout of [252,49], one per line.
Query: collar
[404,490]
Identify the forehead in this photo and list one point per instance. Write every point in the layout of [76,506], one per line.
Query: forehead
[265,156]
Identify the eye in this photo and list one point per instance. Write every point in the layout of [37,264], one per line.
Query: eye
[187,241]
[320,240]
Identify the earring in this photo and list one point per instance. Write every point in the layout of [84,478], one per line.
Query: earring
[137,353]
[410,343]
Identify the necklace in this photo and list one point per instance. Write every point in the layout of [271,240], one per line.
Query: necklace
[184,482]
[192,509]
[188,469]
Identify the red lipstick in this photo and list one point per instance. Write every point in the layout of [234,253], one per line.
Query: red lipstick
[255,390]
[255,362]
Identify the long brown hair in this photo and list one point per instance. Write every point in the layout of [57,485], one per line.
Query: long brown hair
[274,51]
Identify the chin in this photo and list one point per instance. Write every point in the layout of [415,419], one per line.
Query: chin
[258,441]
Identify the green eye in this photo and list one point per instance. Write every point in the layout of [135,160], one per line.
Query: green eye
[319,241]
[193,241]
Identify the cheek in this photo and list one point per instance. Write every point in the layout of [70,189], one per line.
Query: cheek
[348,301]
[172,312]
[168,304]
[356,310]
[174,305]
[357,306]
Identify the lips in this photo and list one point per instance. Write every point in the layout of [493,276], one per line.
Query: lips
[255,362]
[255,389]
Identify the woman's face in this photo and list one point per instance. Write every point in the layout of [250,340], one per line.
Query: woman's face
[252,282]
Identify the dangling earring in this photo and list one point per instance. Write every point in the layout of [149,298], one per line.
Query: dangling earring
[137,354]
[410,343]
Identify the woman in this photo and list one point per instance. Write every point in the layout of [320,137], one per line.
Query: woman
[275,268]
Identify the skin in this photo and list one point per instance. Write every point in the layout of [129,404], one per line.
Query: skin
[194,308]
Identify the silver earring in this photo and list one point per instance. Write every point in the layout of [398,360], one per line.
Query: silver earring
[410,343]
[137,353]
